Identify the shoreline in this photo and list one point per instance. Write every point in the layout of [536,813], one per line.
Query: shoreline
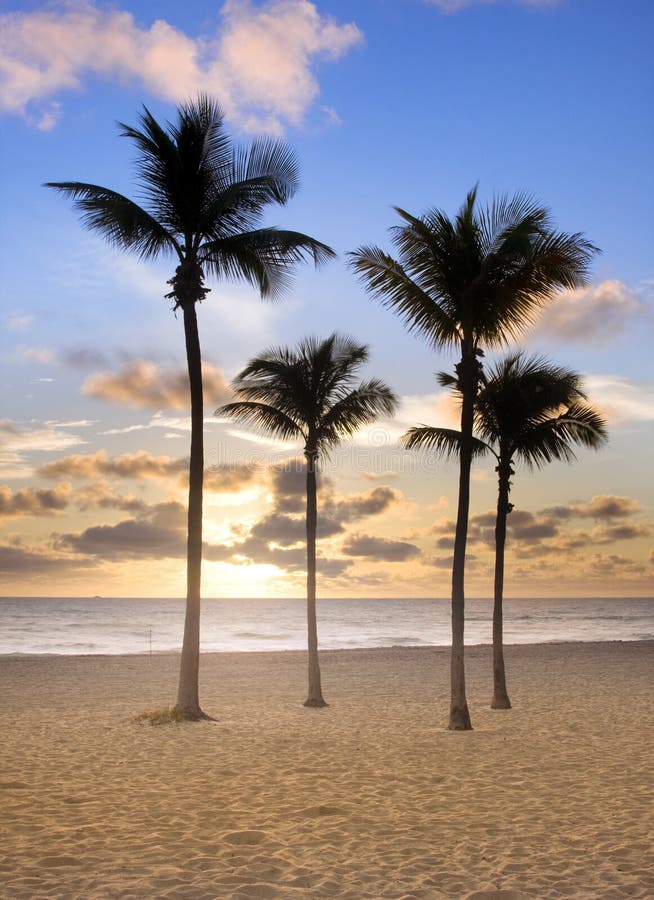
[369,798]
[419,648]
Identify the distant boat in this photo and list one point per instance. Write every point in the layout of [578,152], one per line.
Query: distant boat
[97,597]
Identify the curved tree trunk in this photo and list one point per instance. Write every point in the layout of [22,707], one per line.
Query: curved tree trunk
[315,697]
[500,695]
[468,374]
[188,702]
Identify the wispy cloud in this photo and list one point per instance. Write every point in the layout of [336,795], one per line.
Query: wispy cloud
[17,322]
[258,60]
[43,356]
[452,6]
[621,400]
[17,443]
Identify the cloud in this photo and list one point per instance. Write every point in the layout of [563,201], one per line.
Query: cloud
[386,475]
[159,534]
[224,478]
[229,478]
[17,322]
[17,560]
[84,357]
[531,532]
[591,315]
[129,465]
[288,485]
[620,400]
[452,6]
[17,443]
[259,60]
[34,501]
[258,551]
[264,58]
[378,548]
[358,506]
[40,355]
[613,565]
[144,385]
[600,506]
[288,530]
[607,534]
[278,538]
[537,535]
[100,495]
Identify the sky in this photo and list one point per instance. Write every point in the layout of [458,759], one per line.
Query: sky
[387,103]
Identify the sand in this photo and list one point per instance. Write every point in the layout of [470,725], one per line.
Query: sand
[370,798]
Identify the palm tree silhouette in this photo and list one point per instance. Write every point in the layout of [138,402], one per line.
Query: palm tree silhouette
[530,411]
[203,199]
[309,393]
[467,283]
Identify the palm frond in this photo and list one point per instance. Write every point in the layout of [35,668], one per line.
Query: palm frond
[271,420]
[262,257]
[446,380]
[446,442]
[357,408]
[553,439]
[270,167]
[386,278]
[119,220]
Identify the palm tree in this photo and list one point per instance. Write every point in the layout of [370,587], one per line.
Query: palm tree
[530,411]
[203,199]
[309,393]
[467,283]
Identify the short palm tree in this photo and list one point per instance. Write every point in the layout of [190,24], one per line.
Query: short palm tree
[203,199]
[530,411]
[468,283]
[310,393]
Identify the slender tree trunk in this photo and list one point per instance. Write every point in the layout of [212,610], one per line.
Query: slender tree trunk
[500,696]
[188,702]
[315,697]
[468,374]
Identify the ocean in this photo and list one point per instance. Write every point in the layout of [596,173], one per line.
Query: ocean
[111,626]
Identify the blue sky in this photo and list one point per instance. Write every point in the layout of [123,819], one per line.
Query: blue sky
[386,104]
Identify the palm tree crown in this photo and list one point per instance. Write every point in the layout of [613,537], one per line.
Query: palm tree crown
[533,411]
[202,200]
[309,393]
[477,279]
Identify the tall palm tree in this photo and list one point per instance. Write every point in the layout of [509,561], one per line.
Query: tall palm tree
[467,283]
[310,394]
[530,411]
[203,199]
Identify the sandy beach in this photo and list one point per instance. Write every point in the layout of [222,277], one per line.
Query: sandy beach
[370,798]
